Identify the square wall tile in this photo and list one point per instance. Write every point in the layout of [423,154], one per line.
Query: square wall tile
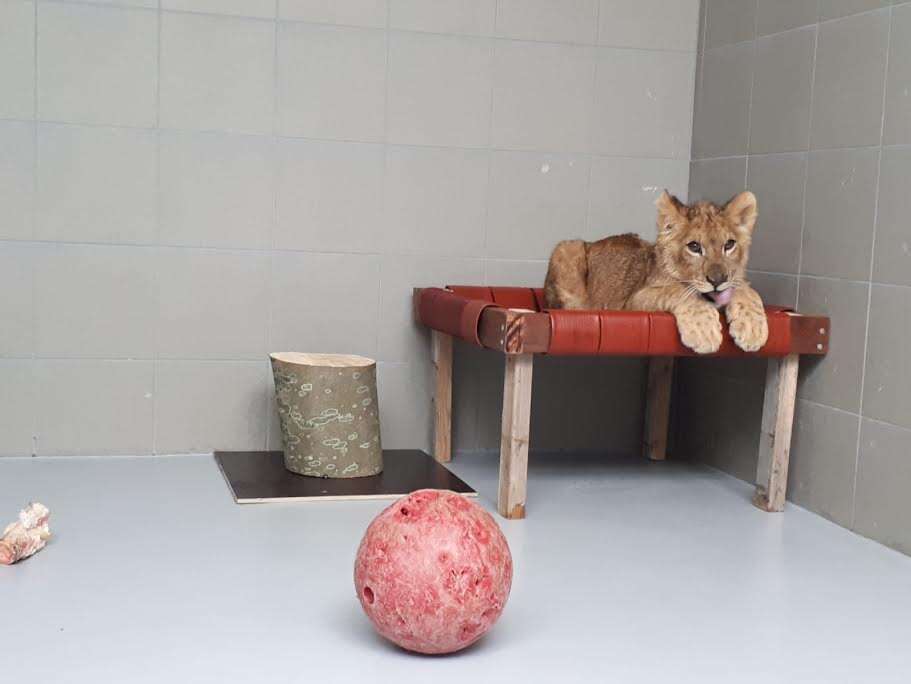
[471,17]
[773,16]
[623,191]
[79,82]
[217,190]
[642,103]
[17,320]
[97,184]
[469,363]
[775,289]
[370,13]
[17,406]
[882,504]
[841,201]
[94,301]
[892,259]
[529,195]
[214,305]
[849,81]
[897,124]
[439,90]
[241,8]
[835,379]
[778,182]
[650,24]
[404,391]
[729,21]
[17,59]
[105,409]
[436,201]
[730,441]
[489,400]
[330,196]
[717,180]
[833,9]
[515,273]
[217,73]
[823,455]
[887,383]
[586,403]
[205,406]
[324,303]
[575,21]
[17,179]
[783,74]
[723,109]
[331,82]
[401,338]
[542,97]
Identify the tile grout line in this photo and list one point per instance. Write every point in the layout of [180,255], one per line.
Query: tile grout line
[806,169]
[863,372]
[557,152]
[487,190]
[818,22]
[593,102]
[379,258]
[387,48]
[753,41]
[33,210]
[365,27]
[274,166]
[698,87]
[156,252]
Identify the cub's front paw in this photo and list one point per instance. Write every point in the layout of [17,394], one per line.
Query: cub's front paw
[749,328]
[700,329]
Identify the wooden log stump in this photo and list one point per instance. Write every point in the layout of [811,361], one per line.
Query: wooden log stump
[327,407]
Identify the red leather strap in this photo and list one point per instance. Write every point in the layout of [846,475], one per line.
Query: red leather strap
[623,333]
[574,332]
[472,292]
[458,310]
[451,313]
[647,333]
[515,297]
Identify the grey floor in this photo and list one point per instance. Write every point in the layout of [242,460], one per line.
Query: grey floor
[625,572]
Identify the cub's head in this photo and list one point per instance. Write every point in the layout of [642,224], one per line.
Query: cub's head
[705,246]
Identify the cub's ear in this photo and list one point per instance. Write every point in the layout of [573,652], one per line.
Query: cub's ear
[669,210]
[742,210]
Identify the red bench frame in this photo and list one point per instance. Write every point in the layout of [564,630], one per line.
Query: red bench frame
[515,322]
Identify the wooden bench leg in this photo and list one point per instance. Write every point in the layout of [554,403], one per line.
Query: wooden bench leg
[514,439]
[442,396]
[775,440]
[658,406]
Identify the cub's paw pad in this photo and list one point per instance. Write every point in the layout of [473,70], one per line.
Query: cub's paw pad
[750,330]
[700,330]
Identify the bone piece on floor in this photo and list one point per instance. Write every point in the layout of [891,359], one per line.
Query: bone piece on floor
[26,536]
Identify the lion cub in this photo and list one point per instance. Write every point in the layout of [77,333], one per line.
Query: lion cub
[695,267]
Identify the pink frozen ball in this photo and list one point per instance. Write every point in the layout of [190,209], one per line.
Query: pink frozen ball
[433,572]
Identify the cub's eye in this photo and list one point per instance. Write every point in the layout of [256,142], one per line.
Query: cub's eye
[694,247]
[729,245]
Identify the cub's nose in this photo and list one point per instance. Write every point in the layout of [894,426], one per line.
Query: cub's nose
[717,279]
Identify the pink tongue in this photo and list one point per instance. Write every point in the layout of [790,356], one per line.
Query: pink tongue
[722,298]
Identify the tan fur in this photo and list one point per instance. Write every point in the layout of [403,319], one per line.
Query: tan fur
[626,272]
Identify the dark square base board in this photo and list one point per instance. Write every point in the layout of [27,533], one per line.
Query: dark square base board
[261,477]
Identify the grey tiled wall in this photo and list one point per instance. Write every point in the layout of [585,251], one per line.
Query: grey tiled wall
[187,185]
[807,103]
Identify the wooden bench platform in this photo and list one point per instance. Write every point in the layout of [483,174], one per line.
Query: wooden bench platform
[515,322]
